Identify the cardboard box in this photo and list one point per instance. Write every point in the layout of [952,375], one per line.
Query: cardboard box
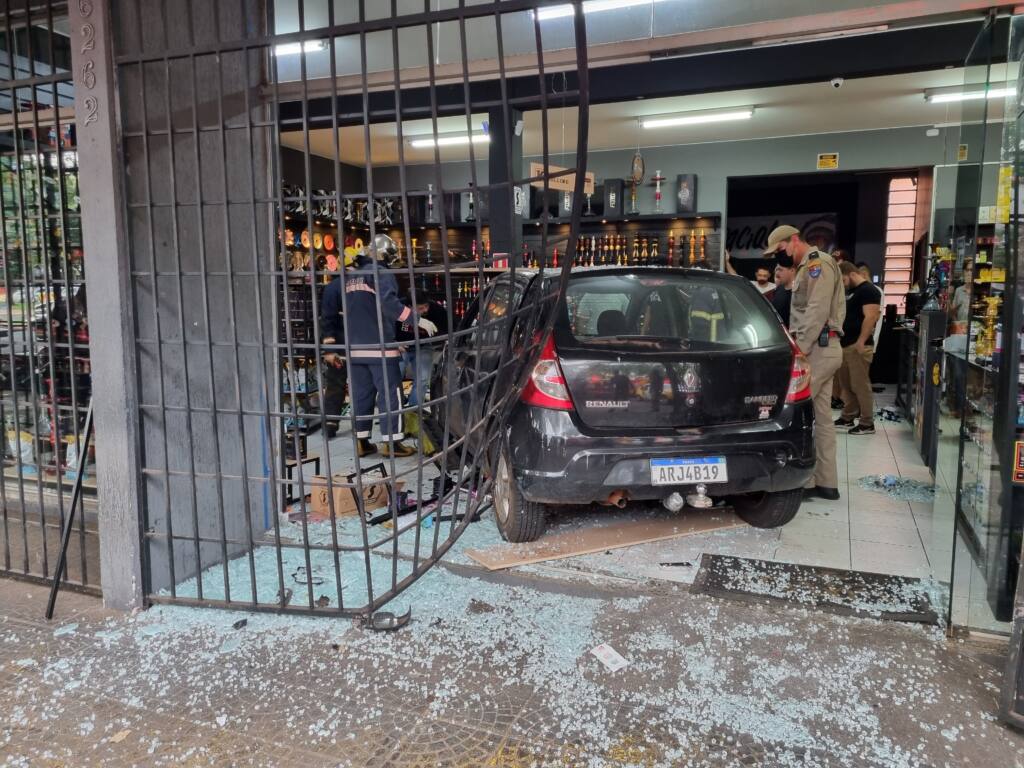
[374,496]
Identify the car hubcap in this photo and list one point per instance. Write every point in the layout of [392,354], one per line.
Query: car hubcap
[502,487]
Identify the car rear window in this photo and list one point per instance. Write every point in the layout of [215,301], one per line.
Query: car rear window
[647,310]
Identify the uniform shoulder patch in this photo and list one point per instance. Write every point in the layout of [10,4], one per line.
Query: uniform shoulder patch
[814,268]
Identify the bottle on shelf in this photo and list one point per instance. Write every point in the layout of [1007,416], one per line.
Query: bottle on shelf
[473,253]
[526,255]
[429,258]
[703,245]
[554,259]
[654,250]
[693,248]
[671,250]
[645,255]
[635,259]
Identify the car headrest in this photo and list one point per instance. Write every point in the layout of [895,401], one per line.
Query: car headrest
[611,322]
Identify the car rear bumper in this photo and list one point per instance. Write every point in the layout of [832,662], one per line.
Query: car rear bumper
[556,463]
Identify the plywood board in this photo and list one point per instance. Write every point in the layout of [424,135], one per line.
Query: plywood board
[600,538]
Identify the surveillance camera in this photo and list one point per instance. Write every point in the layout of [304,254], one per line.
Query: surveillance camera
[836,82]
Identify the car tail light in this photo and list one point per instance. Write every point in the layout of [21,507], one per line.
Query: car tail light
[800,377]
[546,386]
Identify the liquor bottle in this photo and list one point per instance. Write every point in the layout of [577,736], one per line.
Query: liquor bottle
[671,250]
[635,259]
[533,260]
[437,282]
[471,216]
[476,285]
[693,248]
[526,255]
[458,290]
[645,255]
[554,259]
[703,245]
[593,250]
[654,250]
[607,251]
[429,258]
[475,255]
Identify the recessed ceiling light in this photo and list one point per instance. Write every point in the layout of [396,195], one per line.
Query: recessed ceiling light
[291,49]
[696,118]
[449,140]
[969,93]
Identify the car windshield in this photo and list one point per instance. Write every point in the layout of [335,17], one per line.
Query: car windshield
[666,312]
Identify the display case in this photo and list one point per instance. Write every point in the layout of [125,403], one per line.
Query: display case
[990,492]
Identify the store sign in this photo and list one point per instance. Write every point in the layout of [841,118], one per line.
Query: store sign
[565,183]
[828,161]
[746,237]
[1018,462]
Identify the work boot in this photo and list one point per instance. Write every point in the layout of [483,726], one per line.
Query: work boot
[365,447]
[397,449]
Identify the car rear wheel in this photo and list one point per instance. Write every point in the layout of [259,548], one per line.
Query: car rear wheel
[768,510]
[519,520]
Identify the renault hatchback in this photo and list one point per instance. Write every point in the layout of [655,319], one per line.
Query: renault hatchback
[656,384]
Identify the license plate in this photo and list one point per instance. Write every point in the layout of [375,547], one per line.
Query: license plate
[709,469]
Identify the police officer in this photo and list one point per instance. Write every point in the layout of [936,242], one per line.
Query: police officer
[816,322]
[373,355]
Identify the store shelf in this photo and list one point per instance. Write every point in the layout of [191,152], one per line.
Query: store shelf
[642,217]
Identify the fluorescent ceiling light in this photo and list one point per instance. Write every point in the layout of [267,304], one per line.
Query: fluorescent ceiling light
[695,118]
[451,140]
[969,93]
[590,6]
[291,49]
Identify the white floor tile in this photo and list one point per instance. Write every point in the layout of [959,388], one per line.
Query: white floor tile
[821,545]
[879,534]
[895,520]
[817,526]
[888,557]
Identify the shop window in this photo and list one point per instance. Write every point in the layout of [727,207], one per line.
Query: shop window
[899,240]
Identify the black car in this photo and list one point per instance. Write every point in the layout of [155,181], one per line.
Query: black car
[656,383]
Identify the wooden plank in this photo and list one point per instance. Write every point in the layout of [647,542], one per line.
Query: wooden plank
[600,538]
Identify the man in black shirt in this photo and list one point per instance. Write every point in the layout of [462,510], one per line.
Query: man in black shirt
[782,298]
[863,310]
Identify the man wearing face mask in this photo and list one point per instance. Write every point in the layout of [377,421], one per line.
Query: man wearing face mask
[816,323]
[782,299]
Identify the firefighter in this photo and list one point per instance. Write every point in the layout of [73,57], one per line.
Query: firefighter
[373,356]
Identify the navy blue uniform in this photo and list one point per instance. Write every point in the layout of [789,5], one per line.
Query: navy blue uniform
[374,368]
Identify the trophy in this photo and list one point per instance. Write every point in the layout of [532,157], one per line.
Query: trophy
[635,180]
[656,180]
[589,211]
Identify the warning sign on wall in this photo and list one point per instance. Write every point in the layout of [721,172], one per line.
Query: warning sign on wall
[828,161]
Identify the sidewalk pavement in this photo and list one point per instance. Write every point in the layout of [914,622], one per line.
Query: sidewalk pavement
[495,670]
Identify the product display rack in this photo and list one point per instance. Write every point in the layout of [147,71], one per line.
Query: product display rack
[990,489]
[44,348]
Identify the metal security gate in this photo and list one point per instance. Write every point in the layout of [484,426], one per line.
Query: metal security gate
[45,374]
[268,147]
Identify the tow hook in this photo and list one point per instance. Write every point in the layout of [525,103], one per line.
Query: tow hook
[700,499]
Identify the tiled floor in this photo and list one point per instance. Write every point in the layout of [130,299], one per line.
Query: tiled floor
[865,530]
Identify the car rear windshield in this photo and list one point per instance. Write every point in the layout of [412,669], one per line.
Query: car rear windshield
[665,312]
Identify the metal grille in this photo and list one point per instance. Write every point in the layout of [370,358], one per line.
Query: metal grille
[267,148]
[44,326]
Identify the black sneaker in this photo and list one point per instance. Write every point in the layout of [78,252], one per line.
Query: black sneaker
[860,429]
[841,422]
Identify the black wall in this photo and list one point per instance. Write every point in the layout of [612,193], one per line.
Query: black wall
[858,200]
[293,171]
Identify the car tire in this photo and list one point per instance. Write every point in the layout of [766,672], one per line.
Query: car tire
[768,510]
[518,520]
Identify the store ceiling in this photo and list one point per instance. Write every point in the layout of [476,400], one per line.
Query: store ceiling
[862,104]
